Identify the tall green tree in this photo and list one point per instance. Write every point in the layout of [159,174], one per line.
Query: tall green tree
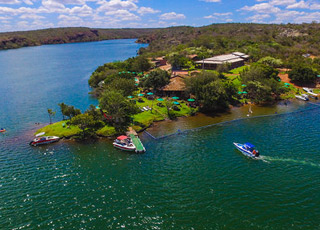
[140,64]
[271,61]
[157,79]
[68,110]
[119,108]
[123,85]
[87,123]
[302,74]
[210,91]
[261,82]
[178,61]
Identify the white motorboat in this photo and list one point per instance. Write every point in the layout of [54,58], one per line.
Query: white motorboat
[248,150]
[124,143]
[310,91]
[303,97]
[44,140]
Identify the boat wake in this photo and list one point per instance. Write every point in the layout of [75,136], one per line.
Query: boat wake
[268,159]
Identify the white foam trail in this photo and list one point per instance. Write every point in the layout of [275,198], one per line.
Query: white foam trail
[289,160]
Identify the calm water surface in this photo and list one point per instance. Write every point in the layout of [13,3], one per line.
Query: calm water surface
[194,180]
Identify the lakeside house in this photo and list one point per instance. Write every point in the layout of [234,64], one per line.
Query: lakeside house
[233,60]
[176,87]
[159,61]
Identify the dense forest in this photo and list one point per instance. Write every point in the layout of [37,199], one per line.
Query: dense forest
[257,40]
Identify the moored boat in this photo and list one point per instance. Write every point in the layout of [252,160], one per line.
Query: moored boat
[44,140]
[124,143]
[2,130]
[310,91]
[248,150]
[303,97]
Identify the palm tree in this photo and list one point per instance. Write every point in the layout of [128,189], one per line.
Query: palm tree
[51,114]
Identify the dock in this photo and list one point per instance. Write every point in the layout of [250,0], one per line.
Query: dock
[136,140]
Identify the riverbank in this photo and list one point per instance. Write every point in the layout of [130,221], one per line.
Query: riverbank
[168,127]
[14,40]
[159,126]
[141,121]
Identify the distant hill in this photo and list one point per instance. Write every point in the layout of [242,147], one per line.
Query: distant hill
[11,40]
[258,40]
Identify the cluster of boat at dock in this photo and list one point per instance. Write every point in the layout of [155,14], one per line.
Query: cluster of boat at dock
[122,142]
[305,97]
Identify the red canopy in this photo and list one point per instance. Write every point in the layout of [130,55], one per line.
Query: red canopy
[122,138]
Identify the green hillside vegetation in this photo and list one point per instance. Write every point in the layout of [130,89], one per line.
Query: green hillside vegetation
[257,40]
[11,40]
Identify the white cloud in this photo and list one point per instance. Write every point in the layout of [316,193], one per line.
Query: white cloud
[52,5]
[262,8]
[28,2]
[258,18]
[9,2]
[4,18]
[71,2]
[222,17]
[315,6]
[31,16]
[223,14]
[82,11]
[147,10]
[117,5]
[300,5]
[308,17]
[282,2]
[123,15]
[172,16]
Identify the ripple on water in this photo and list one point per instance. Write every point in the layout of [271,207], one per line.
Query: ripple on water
[195,180]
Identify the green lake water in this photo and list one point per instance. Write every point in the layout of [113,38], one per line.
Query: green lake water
[195,179]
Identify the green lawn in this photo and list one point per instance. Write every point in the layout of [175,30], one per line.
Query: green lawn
[57,129]
[146,118]
[140,120]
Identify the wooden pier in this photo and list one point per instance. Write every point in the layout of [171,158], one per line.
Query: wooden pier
[136,140]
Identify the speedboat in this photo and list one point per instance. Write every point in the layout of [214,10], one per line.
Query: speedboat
[44,140]
[248,150]
[2,130]
[310,91]
[303,97]
[124,143]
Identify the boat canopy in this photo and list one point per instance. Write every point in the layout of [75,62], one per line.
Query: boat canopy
[122,138]
[249,145]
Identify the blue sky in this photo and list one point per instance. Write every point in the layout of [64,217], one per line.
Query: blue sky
[36,14]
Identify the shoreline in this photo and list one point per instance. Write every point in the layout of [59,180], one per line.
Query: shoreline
[200,120]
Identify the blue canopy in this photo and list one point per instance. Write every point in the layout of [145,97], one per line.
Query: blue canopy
[249,145]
